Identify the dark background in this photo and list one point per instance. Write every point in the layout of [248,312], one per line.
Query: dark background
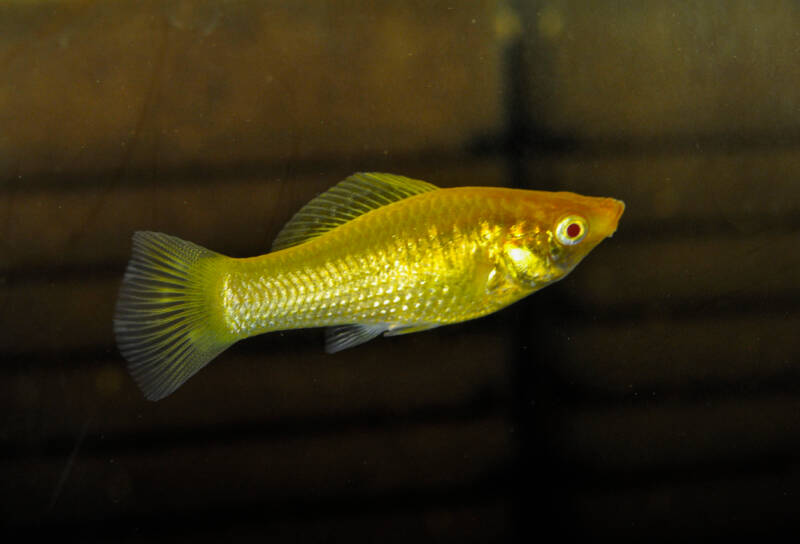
[654,394]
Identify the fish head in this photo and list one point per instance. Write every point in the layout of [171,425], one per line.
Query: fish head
[552,232]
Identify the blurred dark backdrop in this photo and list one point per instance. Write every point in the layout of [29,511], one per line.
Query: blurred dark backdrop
[654,394]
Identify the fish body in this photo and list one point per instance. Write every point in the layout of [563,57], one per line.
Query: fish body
[376,254]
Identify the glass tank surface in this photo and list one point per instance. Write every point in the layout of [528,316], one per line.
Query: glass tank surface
[643,385]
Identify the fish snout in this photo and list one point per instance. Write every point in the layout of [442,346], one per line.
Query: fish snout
[608,217]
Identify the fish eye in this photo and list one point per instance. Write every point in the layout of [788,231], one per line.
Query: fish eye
[571,230]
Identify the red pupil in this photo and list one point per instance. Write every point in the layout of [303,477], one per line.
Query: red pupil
[574,230]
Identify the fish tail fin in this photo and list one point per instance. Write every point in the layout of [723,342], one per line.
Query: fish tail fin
[167,321]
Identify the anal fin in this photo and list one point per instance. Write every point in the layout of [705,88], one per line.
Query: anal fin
[397,330]
[348,336]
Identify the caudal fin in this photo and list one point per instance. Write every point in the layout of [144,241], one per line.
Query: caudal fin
[165,321]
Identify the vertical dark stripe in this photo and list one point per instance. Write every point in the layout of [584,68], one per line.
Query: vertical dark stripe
[537,476]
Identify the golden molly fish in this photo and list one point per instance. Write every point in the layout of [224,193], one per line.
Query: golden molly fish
[375,254]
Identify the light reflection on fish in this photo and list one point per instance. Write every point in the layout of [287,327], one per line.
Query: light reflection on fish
[375,254]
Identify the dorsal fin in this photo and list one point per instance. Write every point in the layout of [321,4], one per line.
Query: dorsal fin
[355,196]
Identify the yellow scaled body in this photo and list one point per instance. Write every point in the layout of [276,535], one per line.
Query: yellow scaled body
[375,254]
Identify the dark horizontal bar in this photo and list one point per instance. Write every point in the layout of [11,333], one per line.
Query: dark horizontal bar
[486,491]
[542,143]
[192,174]
[517,144]
[623,480]
[675,308]
[105,444]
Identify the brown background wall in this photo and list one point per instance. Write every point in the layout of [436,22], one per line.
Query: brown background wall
[655,393]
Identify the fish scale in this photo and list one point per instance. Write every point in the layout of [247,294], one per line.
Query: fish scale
[422,294]
[374,254]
